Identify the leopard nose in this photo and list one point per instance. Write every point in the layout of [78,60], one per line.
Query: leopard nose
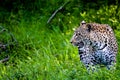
[72,41]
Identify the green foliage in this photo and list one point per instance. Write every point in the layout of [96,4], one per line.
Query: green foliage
[43,51]
[106,14]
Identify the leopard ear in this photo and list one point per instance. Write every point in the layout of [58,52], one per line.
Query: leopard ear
[89,28]
[82,23]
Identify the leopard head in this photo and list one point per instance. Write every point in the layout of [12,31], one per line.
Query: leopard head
[81,34]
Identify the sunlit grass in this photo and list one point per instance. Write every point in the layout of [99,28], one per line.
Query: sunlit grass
[45,54]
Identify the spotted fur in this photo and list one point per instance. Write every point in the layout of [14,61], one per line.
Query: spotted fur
[96,44]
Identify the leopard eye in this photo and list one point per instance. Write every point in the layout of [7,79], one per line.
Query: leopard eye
[76,34]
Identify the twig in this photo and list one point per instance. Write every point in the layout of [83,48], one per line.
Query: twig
[3,29]
[4,60]
[52,16]
[5,47]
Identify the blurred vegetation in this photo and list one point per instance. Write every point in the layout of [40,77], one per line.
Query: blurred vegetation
[43,51]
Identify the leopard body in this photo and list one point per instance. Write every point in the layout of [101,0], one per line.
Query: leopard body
[96,44]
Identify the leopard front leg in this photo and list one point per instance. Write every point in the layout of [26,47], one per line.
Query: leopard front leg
[109,59]
[87,60]
[112,62]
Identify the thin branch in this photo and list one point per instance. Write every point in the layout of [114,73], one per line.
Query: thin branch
[3,29]
[52,16]
[4,47]
[4,60]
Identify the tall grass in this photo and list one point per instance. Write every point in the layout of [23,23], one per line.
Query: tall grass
[46,54]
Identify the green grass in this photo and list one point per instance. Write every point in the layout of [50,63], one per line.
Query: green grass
[46,54]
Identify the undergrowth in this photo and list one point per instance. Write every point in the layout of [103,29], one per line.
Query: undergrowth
[44,52]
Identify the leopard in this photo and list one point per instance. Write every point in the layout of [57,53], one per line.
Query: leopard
[97,45]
